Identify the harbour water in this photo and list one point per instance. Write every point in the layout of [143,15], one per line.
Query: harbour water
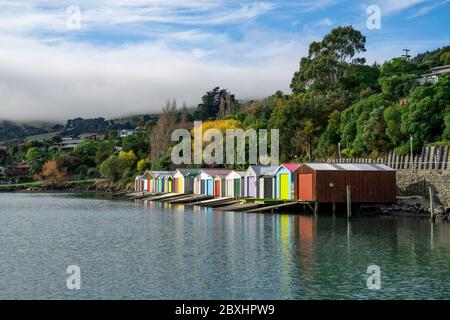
[128,250]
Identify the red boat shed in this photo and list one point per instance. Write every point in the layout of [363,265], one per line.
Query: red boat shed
[327,182]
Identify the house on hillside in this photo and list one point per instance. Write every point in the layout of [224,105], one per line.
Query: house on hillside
[3,172]
[89,136]
[22,169]
[435,74]
[67,144]
[126,132]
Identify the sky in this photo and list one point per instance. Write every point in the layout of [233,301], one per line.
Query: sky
[89,58]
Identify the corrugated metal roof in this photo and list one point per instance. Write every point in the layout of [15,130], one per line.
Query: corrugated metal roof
[291,166]
[216,172]
[187,172]
[349,166]
[264,170]
[239,173]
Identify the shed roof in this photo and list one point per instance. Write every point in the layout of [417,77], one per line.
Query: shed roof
[239,173]
[264,170]
[157,174]
[291,166]
[188,172]
[349,167]
[216,172]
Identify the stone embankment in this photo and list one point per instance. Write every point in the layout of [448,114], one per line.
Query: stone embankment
[415,206]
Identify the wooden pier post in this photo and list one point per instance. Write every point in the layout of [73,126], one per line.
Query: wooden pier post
[349,202]
[433,216]
[334,208]
[316,208]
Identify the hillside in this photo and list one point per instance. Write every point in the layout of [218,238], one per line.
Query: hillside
[13,130]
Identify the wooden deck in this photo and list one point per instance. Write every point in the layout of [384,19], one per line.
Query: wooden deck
[273,207]
[250,205]
[190,199]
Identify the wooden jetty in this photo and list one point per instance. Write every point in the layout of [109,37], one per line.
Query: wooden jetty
[161,197]
[137,195]
[218,202]
[191,199]
[239,207]
[272,207]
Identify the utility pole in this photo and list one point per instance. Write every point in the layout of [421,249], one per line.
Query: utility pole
[406,55]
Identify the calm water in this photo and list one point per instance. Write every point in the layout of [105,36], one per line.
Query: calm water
[131,250]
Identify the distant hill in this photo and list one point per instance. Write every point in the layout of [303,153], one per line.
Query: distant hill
[10,130]
[435,58]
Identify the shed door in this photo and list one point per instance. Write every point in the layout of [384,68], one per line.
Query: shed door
[180,185]
[217,188]
[305,186]
[268,188]
[209,187]
[202,187]
[196,191]
[237,187]
[251,187]
[230,188]
[284,186]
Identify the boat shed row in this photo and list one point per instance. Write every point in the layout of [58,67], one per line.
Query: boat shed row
[308,182]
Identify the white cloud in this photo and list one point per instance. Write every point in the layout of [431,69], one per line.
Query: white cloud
[395,6]
[427,9]
[326,22]
[69,79]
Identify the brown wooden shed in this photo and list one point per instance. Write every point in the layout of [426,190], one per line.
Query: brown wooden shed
[327,183]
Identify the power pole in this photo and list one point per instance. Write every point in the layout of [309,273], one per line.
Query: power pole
[406,54]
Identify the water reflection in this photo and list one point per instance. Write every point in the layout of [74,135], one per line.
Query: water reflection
[156,250]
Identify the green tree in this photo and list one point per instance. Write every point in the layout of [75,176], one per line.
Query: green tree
[104,150]
[210,104]
[393,118]
[86,151]
[118,167]
[163,163]
[363,126]
[424,118]
[139,143]
[35,158]
[328,60]
[328,143]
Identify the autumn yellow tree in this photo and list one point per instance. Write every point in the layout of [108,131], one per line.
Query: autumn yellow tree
[51,174]
[219,125]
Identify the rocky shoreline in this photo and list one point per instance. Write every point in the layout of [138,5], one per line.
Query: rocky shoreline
[413,206]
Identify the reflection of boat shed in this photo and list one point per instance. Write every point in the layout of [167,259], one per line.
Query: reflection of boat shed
[327,183]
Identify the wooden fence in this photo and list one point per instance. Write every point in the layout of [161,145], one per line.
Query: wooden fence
[431,158]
